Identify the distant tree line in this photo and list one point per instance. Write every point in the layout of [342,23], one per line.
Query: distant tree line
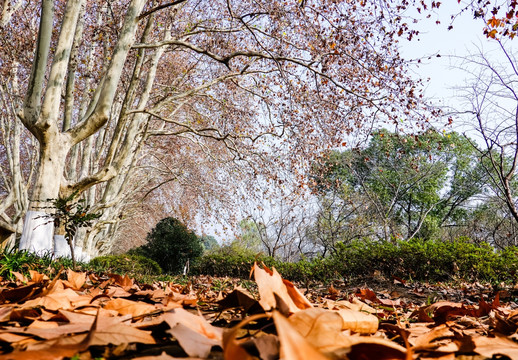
[429,185]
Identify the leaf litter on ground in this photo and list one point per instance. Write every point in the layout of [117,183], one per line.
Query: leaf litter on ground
[88,316]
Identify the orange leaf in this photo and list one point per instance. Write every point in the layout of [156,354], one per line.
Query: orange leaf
[358,322]
[293,344]
[270,283]
[195,335]
[128,307]
[232,348]
[75,280]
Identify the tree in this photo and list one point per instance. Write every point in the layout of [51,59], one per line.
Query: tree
[342,215]
[414,183]
[108,81]
[171,244]
[492,108]
[209,242]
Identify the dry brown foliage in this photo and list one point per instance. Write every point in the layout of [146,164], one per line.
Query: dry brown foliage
[89,316]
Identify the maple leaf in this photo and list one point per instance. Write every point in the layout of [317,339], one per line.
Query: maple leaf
[270,284]
[75,280]
[128,307]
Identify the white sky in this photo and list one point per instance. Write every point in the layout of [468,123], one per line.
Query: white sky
[466,37]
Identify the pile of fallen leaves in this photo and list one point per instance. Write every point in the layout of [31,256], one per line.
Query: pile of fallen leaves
[91,317]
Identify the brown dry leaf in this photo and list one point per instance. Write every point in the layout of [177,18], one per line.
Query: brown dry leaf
[37,324]
[128,307]
[120,334]
[19,293]
[267,346]
[77,317]
[20,277]
[240,298]
[232,348]
[54,332]
[22,315]
[57,300]
[356,304]
[426,340]
[123,281]
[51,353]
[293,344]
[162,356]
[270,282]
[374,348]
[11,337]
[5,313]
[358,322]
[498,345]
[104,331]
[116,291]
[367,294]
[195,335]
[445,310]
[75,280]
[333,293]
[36,277]
[175,299]
[321,328]
[192,342]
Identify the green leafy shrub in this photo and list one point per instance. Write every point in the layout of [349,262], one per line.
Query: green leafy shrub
[230,260]
[131,264]
[431,260]
[416,259]
[171,244]
[12,259]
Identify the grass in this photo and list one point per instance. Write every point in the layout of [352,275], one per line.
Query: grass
[431,261]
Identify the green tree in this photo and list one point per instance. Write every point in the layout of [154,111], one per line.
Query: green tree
[414,184]
[171,244]
[209,242]
[250,235]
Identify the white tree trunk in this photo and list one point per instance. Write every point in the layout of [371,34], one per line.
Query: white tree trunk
[38,231]
[61,247]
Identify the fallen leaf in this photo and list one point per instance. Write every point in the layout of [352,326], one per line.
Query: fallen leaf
[232,347]
[490,347]
[238,298]
[321,328]
[128,307]
[195,335]
[270,282]
[293,344]
[358,322]
[75,280]
[66,300]
[162,356]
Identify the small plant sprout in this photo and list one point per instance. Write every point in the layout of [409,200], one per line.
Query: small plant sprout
[69,216]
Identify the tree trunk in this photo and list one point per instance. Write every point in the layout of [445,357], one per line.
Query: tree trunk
[38,229]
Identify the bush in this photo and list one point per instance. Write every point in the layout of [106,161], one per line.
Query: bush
[416,259]
[431,260]
[131,264]
[230,260]
[171,244]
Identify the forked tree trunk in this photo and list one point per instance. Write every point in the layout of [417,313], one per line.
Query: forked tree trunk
[42,118]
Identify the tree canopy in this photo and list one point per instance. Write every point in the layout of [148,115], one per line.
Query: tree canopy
[412,184]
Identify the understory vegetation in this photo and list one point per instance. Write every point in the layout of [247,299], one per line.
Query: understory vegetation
[412,260]
[415,259]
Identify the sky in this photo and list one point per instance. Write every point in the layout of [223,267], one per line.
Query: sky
[465,38]
[441,89]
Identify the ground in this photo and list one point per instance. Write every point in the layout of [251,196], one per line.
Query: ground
[90,316]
